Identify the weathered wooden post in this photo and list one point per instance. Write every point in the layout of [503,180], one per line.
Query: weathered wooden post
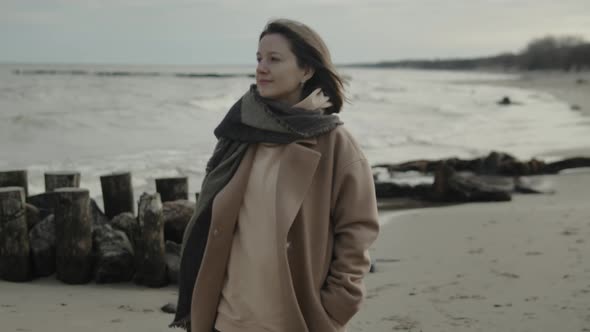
[117,194]
[54,180]
[16,178]
[172,189]
[73,235]
[15,263]
[151,249]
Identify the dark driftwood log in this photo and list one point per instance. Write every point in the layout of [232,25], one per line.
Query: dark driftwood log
[73,235]
[393,190]
[15,264]
[449,186]
[172,189]
[17,178]
[117,194]
[495,163]
[151,249]
[556,167]
[54,180]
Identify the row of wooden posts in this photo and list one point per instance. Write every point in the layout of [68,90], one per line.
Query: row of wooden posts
[117,189]
[71,212]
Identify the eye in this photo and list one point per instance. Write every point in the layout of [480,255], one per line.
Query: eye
[274,59]
[258,60]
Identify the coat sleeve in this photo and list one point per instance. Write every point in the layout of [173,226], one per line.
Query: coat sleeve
[355,220]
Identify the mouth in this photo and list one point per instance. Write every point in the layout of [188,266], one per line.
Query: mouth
[263,82]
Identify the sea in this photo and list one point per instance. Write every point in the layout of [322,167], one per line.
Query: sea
[158,121]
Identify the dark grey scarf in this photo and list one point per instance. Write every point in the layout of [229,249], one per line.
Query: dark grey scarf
[252,119]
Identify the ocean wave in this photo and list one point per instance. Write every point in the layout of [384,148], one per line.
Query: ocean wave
[75,72]
[25,121]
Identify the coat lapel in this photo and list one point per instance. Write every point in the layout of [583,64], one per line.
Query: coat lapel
[227,204]
[298,166]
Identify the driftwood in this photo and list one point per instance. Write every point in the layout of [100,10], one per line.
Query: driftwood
[556,167]
[449,186]
[495,163]
[15,264]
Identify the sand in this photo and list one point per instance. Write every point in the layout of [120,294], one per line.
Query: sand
[50,306]
[513,266]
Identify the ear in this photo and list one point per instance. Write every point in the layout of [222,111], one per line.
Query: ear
[308,73]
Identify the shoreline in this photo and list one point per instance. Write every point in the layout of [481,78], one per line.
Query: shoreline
[561,85]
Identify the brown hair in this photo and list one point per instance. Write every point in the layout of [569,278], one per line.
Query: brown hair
[310,50]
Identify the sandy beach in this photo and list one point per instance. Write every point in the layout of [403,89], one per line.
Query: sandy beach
[514,266]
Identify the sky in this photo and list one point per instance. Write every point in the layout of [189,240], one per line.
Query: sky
[225,32]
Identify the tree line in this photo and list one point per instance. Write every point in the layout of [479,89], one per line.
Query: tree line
[568,53]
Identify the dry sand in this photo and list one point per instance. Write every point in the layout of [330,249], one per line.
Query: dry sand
[515,266]
[47,305]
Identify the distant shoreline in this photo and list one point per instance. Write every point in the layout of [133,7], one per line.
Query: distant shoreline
[572,88]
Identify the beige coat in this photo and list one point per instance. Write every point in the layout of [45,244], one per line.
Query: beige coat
[326,197]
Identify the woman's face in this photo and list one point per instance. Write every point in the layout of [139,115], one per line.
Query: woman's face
[277,75]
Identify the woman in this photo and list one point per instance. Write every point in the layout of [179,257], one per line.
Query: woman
[280,236]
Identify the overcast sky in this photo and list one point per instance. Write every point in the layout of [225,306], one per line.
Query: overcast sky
[226,31]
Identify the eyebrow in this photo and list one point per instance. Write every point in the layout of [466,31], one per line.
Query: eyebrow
[273,52]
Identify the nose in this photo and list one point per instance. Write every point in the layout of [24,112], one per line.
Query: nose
[261,68]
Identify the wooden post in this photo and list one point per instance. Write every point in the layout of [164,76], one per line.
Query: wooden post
[15,264]
[197,197]
[151,249]
[16,178]
[117,194]
[172,189]
[54,180]
[73,235]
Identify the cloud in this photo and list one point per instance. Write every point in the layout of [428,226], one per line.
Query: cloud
[207,31]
